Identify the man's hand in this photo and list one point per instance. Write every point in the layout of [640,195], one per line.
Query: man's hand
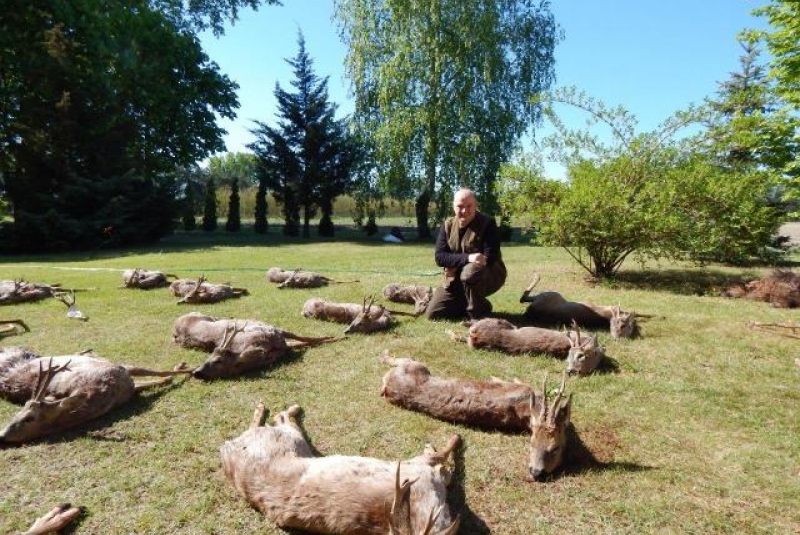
[479,259]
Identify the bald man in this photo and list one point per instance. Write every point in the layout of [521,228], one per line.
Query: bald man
[468,248]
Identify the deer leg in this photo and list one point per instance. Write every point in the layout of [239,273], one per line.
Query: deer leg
[259,416]
[54,520]
[144,385]
[289,417]
[136,371]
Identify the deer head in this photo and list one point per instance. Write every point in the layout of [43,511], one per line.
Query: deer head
[584,356]
[41,415]
[422,300]
[623,324]
[549,432]
[400,514]
[364,322]
[191,296]
[223,360]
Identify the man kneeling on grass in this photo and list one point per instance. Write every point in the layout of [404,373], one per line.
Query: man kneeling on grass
[468,248]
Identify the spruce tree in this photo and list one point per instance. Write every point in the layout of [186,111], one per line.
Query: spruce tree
[234,222]
[261,225]
[210,207]
[307,158]
[188,220]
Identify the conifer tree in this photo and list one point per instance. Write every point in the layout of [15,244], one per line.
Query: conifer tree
[306,159]
[210,207]
[234,222]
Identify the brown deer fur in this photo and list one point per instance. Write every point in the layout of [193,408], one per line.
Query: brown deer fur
[275,469]
[20,291]
[552,309]
[583,353]
[493,405]
[54,520]
[201,291]
[236,346]
[363,318]
[299,279]
[145,279]
[64,391]
[419,296]
[781,289]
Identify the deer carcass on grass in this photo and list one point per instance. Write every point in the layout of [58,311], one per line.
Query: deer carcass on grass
[21,291]
[494,404]
[275,469]
[202,291]
[552,309]
[236,346]
[145,279]
[364,318]
[419,296]
[66,391]
[583,353]
[300,279]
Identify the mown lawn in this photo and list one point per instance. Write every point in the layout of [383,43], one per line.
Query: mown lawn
[692,428]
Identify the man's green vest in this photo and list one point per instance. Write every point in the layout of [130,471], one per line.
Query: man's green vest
[470,242]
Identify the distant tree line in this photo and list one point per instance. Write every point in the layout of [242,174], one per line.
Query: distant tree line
[106,114]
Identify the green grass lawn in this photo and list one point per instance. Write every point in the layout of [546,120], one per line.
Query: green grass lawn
[694,428]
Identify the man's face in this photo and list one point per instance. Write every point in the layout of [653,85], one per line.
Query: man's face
[464,207]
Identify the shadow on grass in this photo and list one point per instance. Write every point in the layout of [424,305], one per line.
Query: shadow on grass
[680,281]
[457,497]
[581,458]
[98,428]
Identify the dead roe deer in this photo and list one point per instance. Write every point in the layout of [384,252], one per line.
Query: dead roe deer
[236,346]
[552,309]
[583,353]
[508,406]
[65,391]
[276,471]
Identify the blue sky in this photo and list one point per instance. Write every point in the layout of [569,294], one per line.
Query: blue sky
[653,57]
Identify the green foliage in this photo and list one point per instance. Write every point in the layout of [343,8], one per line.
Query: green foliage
[783,129]
[241,166]
[261,225]
[234,221]
[307,159]
[89,214]
[92,93]
[782,43]
[646,193]
[441,89]
[210,206]
[188,218]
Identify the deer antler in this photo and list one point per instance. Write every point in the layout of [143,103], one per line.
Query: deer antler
[289,278]
[557,400]
[230,333]
[543,414]
[45,377]
[366,306]
[400,513]
[67,299]
[194,291]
